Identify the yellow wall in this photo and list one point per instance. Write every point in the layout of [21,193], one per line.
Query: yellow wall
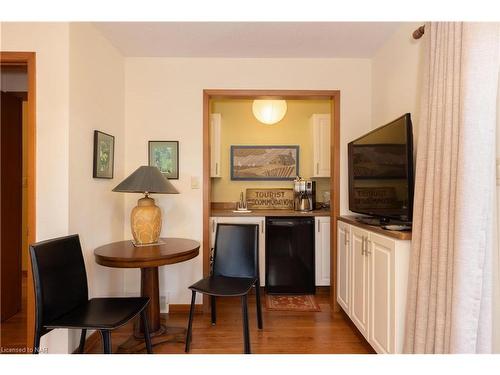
[239,127]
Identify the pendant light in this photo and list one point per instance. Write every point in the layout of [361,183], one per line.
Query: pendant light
[269,112]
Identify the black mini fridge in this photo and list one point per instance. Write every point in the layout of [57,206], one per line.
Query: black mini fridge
[290,255]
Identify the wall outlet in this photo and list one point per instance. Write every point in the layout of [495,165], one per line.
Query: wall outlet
[164,304]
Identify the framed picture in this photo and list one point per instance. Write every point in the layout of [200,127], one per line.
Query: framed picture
[104,155]
[264,163]
[165,156]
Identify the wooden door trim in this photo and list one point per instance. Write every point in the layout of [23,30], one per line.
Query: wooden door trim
[334,96]
[29,60]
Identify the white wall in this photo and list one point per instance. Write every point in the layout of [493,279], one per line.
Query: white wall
[50,42]
[96,102]
[396,76]
[496,255]
[163,101]
[79,88]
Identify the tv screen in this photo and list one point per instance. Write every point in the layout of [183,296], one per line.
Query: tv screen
[381,171]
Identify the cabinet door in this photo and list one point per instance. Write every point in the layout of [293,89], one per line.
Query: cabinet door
[322,251]
[215,125]
[343,266]
[382,323]
[321,144]
[359,280]
[261,222]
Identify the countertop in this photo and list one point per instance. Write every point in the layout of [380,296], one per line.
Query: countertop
[399,235]
[229,213]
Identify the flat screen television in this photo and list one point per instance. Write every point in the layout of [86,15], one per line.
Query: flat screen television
[381,172]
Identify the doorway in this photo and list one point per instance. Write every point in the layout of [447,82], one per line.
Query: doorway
[17,70]
[331,95]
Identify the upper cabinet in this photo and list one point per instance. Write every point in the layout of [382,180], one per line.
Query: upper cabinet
[215,128]
[320,126]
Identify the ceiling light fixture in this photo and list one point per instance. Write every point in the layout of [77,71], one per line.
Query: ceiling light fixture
[269,112]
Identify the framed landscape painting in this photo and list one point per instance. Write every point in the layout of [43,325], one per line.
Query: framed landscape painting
[264,163]
[165,156]
[104,155]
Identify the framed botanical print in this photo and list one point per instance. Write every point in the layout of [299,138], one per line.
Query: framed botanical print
[165,156]
[104,155]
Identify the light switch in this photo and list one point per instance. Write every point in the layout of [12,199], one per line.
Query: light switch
[195,182]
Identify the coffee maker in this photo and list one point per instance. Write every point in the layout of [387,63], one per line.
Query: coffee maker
[304,194]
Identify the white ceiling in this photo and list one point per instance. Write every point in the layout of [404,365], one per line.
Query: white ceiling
[248,39]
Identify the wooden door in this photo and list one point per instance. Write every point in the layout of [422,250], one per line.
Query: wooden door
[11,204]
[380,251]
[359,280]
[343,266]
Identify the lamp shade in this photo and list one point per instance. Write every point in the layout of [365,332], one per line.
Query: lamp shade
[146,179]
[269,111]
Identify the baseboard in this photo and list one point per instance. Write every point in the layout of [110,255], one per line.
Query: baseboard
[183,308]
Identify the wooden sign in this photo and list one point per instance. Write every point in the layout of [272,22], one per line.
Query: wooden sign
[265,199]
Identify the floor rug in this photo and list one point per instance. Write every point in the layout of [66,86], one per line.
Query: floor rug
[291,303]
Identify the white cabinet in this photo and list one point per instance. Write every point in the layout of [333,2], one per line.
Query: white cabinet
[380,252]
[359,280]
[261,222]
[372,271]
[322,250]
[320,126]
[344,269]
[215,145]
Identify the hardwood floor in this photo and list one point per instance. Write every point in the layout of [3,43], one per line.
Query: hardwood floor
[13,330]
[284,332]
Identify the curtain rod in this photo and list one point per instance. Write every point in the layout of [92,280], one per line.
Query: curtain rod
[417,34]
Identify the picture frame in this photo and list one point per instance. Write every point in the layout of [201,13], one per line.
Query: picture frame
[264,163]
[104,155]
[165,156]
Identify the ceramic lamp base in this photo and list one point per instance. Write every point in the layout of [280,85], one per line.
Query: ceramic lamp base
[145,221]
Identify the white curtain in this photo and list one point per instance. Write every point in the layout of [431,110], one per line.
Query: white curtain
[449,307]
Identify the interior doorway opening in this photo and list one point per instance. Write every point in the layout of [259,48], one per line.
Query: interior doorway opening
[333,96]
[17,110]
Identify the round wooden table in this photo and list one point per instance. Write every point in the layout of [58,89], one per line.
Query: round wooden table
[124,254]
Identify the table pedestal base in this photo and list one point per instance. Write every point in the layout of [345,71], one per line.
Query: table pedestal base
[136,343]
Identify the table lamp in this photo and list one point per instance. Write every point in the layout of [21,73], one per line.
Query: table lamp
[145,218]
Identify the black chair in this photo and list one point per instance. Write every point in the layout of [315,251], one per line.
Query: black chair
[235,269]
[62,300]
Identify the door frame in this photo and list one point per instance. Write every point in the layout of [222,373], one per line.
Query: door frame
[334,96]
[28,59]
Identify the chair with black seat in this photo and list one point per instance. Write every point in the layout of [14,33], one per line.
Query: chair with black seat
[234,271]
[61,296]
